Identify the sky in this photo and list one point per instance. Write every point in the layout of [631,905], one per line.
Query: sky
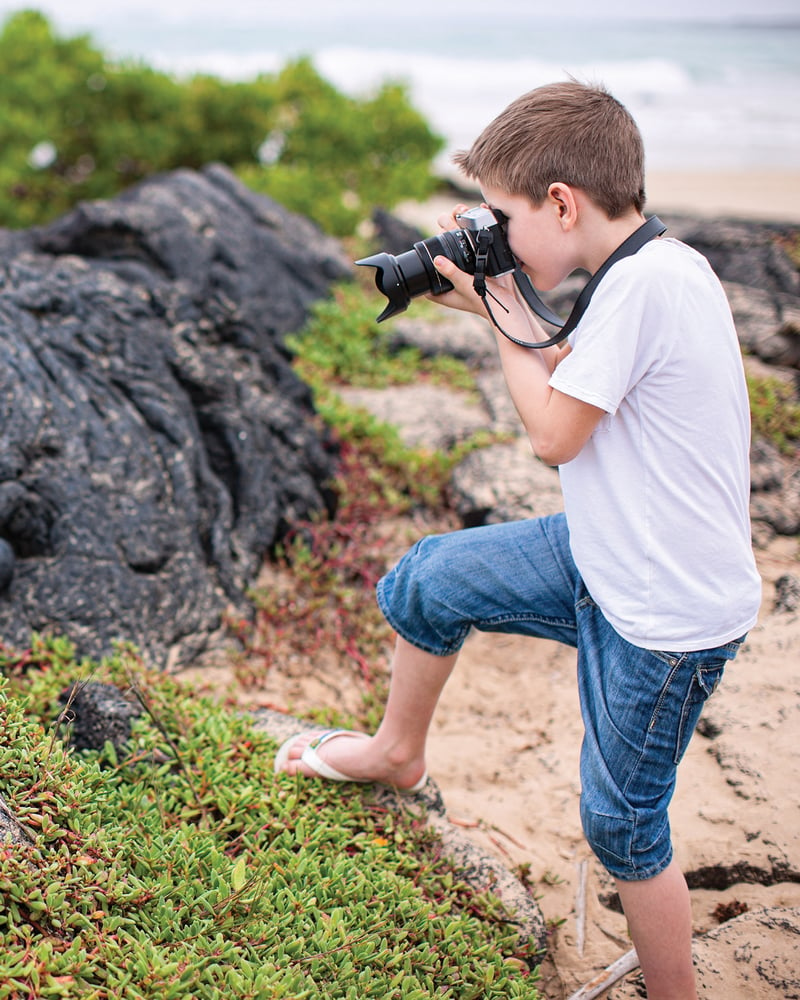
[84,14]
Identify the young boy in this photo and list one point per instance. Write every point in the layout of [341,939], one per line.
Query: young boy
[649,573]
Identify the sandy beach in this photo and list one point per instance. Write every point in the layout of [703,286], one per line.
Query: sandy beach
[506,736]
[764,195]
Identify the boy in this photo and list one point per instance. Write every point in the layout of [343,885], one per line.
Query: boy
[649,573]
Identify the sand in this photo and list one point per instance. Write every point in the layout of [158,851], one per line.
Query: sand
[505,742]
[764,195]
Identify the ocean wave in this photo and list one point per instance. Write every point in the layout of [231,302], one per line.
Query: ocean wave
[709,120]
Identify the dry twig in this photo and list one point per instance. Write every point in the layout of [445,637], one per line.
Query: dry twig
[606,979]
[580,907]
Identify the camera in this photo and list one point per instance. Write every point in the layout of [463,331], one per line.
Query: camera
[409,274]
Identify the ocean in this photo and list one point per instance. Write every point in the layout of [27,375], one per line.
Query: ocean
[707,96]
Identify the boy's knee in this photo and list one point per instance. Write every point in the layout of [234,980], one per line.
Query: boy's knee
[413,598]
[632,847]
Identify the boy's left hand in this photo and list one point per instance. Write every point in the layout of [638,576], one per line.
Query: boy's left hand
[464,296]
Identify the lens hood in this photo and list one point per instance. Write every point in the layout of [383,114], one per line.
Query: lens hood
[388,280]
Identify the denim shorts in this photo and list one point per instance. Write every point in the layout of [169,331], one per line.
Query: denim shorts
[639,706]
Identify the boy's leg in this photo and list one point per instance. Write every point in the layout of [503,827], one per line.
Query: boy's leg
[640,708]
[508,578]
[659,916]
[395,755]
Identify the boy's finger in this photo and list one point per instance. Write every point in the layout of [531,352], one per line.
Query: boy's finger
[442,263]
[450,221]
[445,266]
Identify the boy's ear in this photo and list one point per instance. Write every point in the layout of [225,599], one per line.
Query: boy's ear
[562,197]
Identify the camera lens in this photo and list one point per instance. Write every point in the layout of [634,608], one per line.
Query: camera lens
[412,273]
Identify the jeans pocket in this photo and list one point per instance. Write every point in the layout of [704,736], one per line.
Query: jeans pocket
[703,683]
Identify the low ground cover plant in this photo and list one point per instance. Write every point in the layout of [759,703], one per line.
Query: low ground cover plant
[180,866]
[775,411]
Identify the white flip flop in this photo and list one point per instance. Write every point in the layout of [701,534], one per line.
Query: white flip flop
[311,759]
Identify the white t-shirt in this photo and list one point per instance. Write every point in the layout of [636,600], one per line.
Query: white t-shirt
[657,501]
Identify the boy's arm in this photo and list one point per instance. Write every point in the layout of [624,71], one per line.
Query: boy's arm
[557,425]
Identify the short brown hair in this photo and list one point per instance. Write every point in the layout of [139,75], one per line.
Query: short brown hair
[569,132]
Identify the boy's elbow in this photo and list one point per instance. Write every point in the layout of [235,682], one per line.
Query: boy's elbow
[565,429]
[553,451]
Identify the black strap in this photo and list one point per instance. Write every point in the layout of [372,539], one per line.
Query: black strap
[646,232]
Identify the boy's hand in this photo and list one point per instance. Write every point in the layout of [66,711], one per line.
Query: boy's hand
[463,296]
[450,221]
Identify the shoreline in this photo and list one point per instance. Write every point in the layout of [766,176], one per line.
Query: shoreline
[762,195]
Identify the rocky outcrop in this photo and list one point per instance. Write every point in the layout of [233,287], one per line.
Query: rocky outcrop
[765,948]
[756,954]
[94,714]
[154,441]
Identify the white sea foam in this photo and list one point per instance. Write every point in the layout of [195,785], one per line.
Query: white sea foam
[704,96]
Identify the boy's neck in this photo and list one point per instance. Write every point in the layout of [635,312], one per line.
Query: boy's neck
[598,236]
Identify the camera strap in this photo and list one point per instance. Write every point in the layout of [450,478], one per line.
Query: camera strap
[647,231]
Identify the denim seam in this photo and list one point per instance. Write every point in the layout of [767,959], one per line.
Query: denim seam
[642,874]
[426,648]
[684,715]
[698,680]
[607,850]
[634,771]
[626,869]
[539,619]
[676,665]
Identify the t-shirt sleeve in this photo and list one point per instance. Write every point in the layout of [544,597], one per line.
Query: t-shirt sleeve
[609,354]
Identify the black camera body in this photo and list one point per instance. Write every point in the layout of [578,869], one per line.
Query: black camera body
[409,274]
